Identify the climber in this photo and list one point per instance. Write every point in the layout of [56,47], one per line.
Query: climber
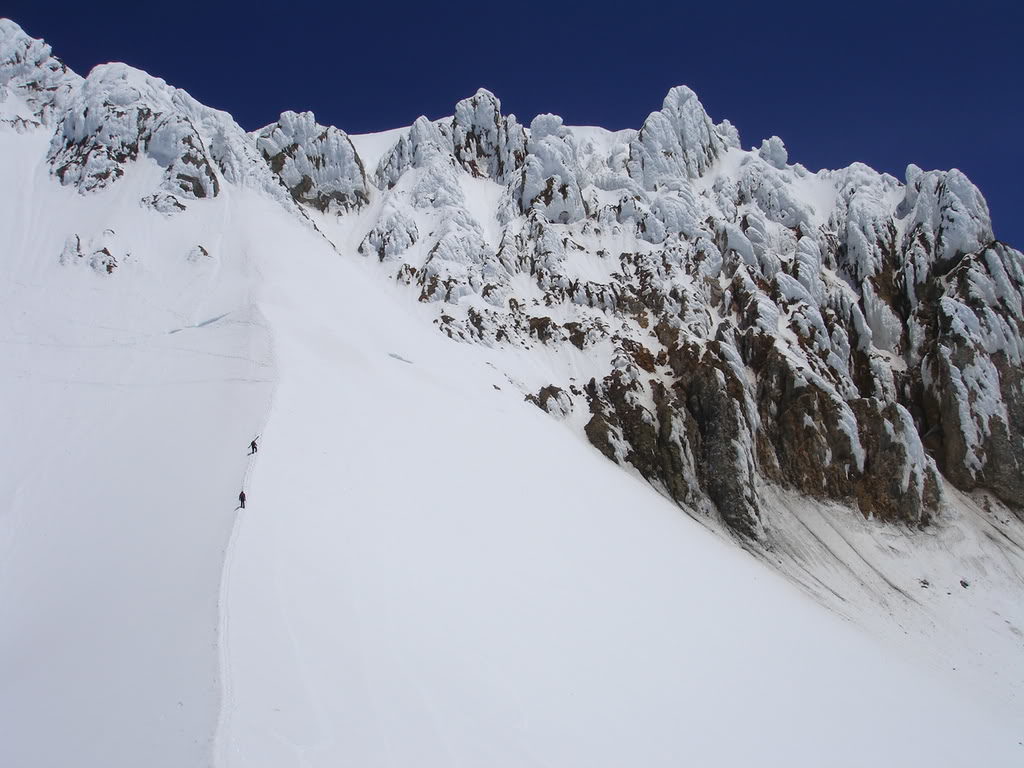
[241,500]
[252,447]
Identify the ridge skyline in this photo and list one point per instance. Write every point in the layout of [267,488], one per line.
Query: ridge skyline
[973,134]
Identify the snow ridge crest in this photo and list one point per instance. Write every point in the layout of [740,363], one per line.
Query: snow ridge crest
[741,321]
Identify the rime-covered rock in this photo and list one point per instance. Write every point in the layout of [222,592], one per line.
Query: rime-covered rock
[742,322]
[773,152]
[317,164]
[549,177]
[795,328]
[972,373]
[119,115]
[393,234]
[30,72]
[484,142]
[103,253]
[425,142]
[676,143]
[553,400]
[945,211]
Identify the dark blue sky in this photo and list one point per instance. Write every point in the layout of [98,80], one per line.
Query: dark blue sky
[936,83]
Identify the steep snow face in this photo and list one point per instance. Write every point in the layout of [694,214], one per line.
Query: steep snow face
[136,366]
[432,572]
[431,569]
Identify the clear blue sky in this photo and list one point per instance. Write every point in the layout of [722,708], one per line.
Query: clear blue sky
[935,83]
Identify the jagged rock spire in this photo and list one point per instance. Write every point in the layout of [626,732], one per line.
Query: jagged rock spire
[317,164]
[486,143]
[678,142]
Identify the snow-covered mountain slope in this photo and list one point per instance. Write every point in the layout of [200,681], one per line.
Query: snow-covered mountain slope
[838,332]
[824,368]
[123,398]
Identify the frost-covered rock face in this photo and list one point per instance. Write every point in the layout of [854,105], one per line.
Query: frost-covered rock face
[317,164]
[394,234]
[972,372]
[718,319]
[679,142]
[117,116]
[744,320]
[425,143]
[548,180]
[773,152]
[30,73]
[485,143]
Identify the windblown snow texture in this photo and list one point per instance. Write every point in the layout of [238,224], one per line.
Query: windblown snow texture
[826,366]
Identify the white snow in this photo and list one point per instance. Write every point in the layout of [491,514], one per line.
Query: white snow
[124,398]
[433,572]
[430,570]
[373,146]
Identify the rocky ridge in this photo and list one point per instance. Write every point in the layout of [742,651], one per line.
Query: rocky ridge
[718,319]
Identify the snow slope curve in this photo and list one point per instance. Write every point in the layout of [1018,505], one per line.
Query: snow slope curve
[433,573]
[128,400]
[430,570]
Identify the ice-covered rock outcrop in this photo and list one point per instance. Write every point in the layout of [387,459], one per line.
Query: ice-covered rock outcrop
[425,142]
[421,178]
[773,152]
[393,234]
[486,143]
[839,333]
[30,72]
[119,115]
[548,180]
[719,319]
[317,164]
[676,143]
[972,372]
[945,214]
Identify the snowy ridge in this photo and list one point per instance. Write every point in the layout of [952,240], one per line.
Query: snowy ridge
[810,297]
[119,115]
[436,566]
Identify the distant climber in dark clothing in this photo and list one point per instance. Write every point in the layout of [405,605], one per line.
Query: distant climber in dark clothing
[241,500]
[252,447]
